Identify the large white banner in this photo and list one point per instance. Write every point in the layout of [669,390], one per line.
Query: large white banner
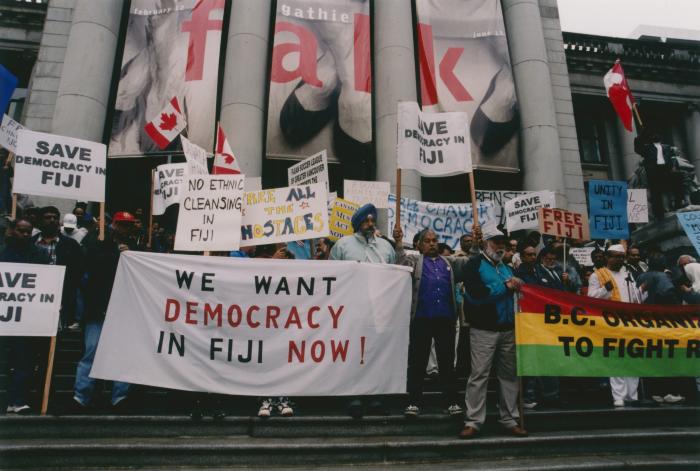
[499,199]
[313,169]
[210,213]
[60,167]
[285,214]
[9,128]
[167,183]
[30,299]
[433,144]
[257,327]
[448,220]
[522,212]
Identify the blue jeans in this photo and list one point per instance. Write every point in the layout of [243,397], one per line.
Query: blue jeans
[84,384]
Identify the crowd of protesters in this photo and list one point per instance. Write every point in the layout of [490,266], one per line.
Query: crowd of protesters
[462,310]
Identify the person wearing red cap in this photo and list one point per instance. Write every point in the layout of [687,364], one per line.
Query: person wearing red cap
[102,261]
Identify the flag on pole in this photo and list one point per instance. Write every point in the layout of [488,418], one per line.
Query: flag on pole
[8,83]
[168,125]
[619,94]
[224,160]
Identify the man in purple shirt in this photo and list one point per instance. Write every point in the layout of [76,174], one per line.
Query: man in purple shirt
[433,316]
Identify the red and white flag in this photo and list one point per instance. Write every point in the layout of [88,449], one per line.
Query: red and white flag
[224,160]
[168,125]
[619,94]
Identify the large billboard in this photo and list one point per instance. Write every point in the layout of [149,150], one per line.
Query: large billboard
[465,66]
[320,84]
[171,49]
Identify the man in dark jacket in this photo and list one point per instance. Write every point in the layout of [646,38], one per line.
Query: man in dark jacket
[658,164]
[528,263]
[489,288]
[22,350]
[62,251]
[102,261]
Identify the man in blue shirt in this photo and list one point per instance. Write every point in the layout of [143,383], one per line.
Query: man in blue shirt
[433,316]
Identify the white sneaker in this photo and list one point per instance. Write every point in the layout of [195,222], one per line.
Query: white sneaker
[619,403]
[23,409]
[74,327]
[672,399]
[658,399]
[529,405]
[454,409]
[411,411]
[10,409]
[265,409]
[284,409]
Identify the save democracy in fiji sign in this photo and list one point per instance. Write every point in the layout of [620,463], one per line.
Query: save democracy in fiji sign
[257,327]
[563,334]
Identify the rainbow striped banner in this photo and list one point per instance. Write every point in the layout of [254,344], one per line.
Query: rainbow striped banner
[563,334]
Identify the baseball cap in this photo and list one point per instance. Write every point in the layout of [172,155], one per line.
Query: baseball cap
[70,221]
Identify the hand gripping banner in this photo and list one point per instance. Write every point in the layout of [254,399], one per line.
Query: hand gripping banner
[562,334]
[257,327]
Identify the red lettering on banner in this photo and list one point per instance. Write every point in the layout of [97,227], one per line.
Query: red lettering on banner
[339,349]
[170,302]
[307,49]
[293,318]
[310,317]
[213,314]
[316,353]
[447,67]
[426,59]
[273,312]
[335,315]
[229,315]
[295,350]
[361,52]
[198,26]
[191,310]
[249,316]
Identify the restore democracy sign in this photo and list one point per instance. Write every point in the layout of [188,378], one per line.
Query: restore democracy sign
[563,334]
[257,327]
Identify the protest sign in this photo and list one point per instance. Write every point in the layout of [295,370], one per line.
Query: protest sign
[521,212]
[210,213]
[562,223]
[690,222]
[499,199]
[363,192]
[433,144]
[196,157]
[284,215]
[30,299]
[310,170]
[341,214]
[60,167]
[563,334]
[637,206]
[9,128]
[607,202]
[582,255]
[448,220]
[167,183]
[257,327]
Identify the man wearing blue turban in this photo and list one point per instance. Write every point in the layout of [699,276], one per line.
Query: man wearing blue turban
[364,245]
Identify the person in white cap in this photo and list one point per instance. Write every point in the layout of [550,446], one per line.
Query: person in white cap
[70,228]
[489,287]
[615,283]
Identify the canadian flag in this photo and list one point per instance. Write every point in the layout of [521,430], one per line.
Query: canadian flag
[224,160]
[168,125]
[619,94]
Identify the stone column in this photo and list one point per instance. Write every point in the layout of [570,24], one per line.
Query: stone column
[630,159]
[245,81]
[83,94]
[692,127]
[395,80]
[541,152]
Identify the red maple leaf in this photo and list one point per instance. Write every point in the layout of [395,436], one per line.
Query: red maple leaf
[167,121]
[228,159]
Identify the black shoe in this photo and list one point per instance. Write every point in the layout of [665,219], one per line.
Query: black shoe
[196,412]
[376,407]
[355,409]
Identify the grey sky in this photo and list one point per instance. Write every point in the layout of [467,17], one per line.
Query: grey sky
[619,17]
